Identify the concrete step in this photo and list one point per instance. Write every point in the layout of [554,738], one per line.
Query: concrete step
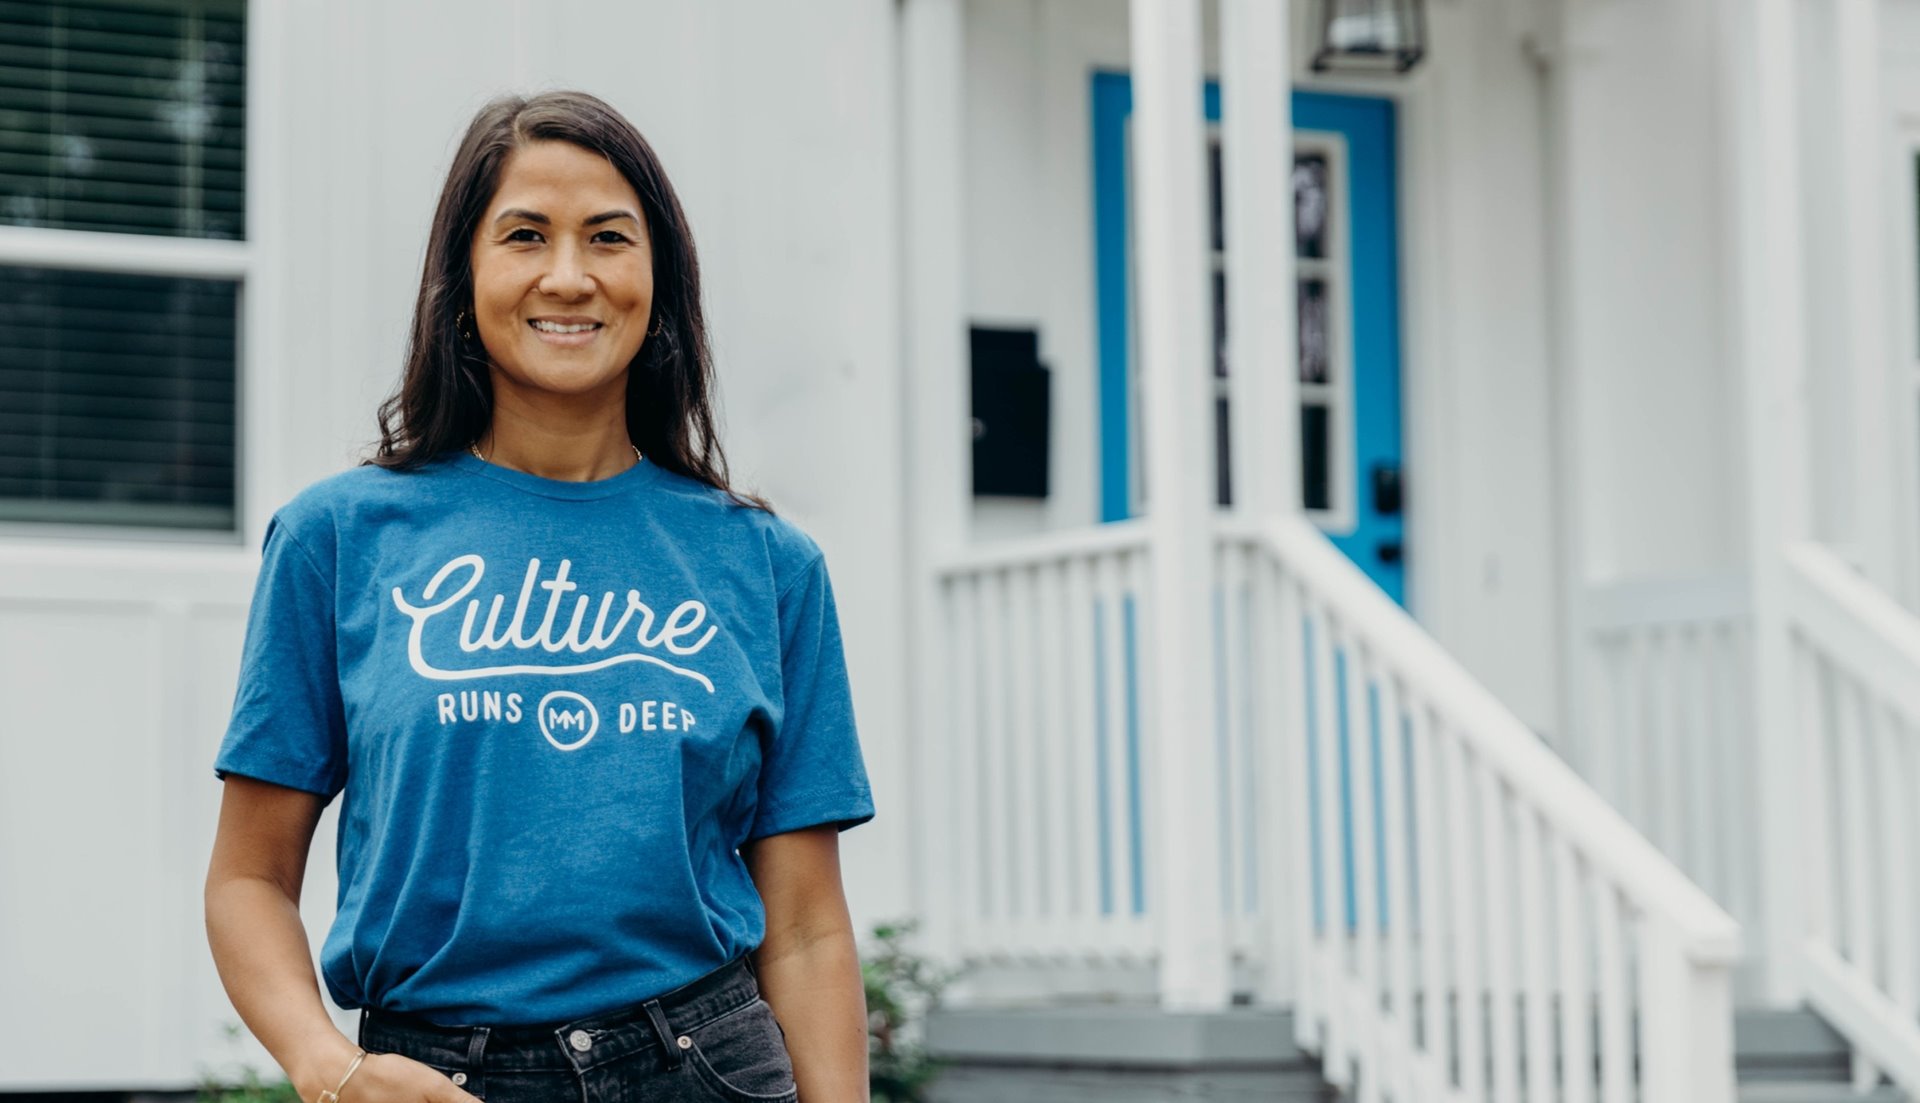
[1790,1091]
[1066,1053]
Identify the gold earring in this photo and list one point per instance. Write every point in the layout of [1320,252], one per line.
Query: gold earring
[460,325]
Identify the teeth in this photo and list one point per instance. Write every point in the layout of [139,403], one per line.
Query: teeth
[550,327]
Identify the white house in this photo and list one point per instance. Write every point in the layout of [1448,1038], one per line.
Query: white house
[1564,388]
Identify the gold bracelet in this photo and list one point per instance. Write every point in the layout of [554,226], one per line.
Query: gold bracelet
[333,1096]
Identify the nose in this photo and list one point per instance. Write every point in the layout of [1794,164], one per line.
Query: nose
[568,277]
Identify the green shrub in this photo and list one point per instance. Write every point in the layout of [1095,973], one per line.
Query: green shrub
[901,987]
[245,1086]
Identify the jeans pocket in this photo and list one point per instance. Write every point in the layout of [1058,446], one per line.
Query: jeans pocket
[742,1056]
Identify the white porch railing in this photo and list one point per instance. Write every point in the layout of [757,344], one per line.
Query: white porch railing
[1046,697]
[1454,906]
[1856,689]
[1661,725]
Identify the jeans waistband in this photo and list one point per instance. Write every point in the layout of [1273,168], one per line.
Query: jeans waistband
[576,1043]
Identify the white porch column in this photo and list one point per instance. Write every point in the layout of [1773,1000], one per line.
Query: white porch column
[1862,137]
[1770,342]
[939,441]
[1170,274]
[1256,140]
[1256,122]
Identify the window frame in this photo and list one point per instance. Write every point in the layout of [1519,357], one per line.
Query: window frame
[243,262]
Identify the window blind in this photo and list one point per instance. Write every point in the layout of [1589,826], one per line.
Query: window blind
[124,116]
[118,390]
[117,398]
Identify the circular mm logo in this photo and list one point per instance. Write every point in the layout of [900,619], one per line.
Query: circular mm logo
[565,714]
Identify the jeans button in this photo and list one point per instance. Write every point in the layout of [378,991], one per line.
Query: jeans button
[459,1078]
[685,1042]
[580,1040]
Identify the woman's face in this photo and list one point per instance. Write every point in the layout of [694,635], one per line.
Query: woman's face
[562,272]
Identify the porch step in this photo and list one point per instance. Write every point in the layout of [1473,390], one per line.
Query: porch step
[1135,1053]
[1119,1054]
[1793,1056]
[1791,1092]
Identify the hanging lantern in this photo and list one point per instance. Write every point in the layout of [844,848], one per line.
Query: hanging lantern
[1370,36]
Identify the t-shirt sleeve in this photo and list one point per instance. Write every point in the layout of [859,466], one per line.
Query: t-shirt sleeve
[288,725]
[812,772]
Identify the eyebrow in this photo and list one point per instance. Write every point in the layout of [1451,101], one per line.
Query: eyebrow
[536,216]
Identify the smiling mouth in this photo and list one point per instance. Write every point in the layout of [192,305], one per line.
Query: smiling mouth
[556,328]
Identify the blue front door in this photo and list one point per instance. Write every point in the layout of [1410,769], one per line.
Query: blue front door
[1348,298]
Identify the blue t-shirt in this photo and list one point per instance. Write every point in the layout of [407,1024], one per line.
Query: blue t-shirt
[556,709]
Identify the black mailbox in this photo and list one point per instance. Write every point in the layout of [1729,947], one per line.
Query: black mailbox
[1010,412]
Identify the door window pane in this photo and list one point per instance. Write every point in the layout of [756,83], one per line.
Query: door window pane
[1314,490]
[1310,205]
[1315,332]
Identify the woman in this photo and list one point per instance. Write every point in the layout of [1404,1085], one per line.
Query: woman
[585,706]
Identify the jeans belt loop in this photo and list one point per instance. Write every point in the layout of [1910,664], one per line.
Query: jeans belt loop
[668,1045]
[476,1058]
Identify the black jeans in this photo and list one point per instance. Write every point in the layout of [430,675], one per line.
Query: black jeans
[711,1039]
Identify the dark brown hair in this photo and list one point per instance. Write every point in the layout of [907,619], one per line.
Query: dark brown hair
[445,399]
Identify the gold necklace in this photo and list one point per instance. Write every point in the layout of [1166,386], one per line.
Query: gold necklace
[475,449]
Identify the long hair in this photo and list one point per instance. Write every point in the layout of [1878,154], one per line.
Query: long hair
[445,398]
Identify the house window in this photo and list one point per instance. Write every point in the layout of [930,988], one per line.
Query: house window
[122,262]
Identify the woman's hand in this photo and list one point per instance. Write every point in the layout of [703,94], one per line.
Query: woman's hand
[808,966]
[260,948]
[392,1078]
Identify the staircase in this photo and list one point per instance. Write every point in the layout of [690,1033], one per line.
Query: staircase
[1383,829]
[1381,826]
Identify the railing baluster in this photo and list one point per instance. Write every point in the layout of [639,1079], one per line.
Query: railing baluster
[993,731]
[1430,866]
[1743,773]
[1659,761]
[1536,977]
[1332,894]
[1575,964]
[1616,999]
[1898,769]
[1115,903]
[968,749]
[1895,837]
[1467,898]
[1274,887]
[1727,763]
[1504,1047]
[1399,910]
[1666,739]
[1137,753]
[1082,787]
[1229,649]
[1818,769]
[1054,670]
[1292,655]
[1857,845]
[1366,928]
[1026,845]
[1608,694]
[1702,811]
[1254,718]
[1630,757]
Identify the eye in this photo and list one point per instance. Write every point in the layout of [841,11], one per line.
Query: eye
[515,235]
[617,235]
